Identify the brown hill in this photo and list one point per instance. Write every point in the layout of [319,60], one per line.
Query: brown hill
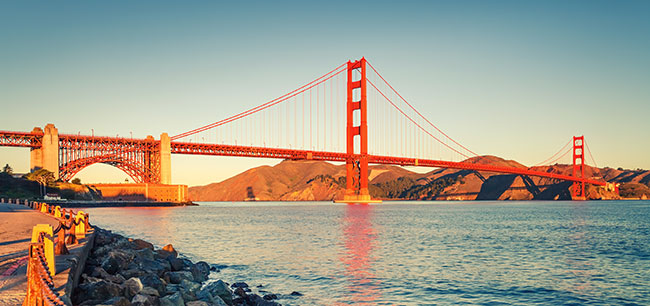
[318,181]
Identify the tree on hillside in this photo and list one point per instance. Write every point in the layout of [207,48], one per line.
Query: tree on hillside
[43,177]
[76,181]
[7,169]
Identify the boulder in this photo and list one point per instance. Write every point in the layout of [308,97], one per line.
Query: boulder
[220,289]
[176,264]
[239,285]
[197,303]
[172,288]
[150,291]
[190,286]
[218,302]
[116,261]
[177,276]
[200,271]
[132,287]
[132,273]
[296,293]
[141,244]
[103,237]
[204,295]
[101,290]
[256,300]
[153,281]
[170,248]
[144,253]
[152,266]
[172,300]
[270,296]
[117,301]
[145,300]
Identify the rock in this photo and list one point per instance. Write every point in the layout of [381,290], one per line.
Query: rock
[132,273]
[269,297]
[204,295]
[150,291]
[118,279]
[256,300]
[153,281]
[190,286]
[188,263]
[197,303]
[172,288]
[178,276]
[145,300]
[101,290]
[101,273]
[117,301]
[241,292]
[116,261]
[296,293]
[141,244]
[200,271]
[218,302]
[176,264]
[144,254]
[220,289]
[172,300]
[170,249]
[103,238]
[239,285]
[132,287]
[152,266]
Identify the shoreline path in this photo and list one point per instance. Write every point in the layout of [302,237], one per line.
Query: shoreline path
[16,224]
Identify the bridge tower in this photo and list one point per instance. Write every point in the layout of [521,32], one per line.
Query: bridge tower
[578,188]
[357,160]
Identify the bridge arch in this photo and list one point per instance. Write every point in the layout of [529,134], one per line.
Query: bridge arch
[132,168]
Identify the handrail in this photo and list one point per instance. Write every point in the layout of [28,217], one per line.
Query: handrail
[40,285]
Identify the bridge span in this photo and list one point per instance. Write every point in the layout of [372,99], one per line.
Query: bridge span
[304,124]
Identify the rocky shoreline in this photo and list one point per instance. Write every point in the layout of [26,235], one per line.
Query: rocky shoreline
[123,271]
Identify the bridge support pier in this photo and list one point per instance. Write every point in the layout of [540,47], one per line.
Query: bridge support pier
[47,156]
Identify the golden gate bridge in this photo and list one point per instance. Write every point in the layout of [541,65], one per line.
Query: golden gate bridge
[350,115]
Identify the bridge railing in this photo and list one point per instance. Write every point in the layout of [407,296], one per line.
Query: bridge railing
[41,261]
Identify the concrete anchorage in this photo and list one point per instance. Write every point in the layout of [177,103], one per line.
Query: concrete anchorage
[47,156]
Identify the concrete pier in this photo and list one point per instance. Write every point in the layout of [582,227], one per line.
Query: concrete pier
[47,156]
[165,159]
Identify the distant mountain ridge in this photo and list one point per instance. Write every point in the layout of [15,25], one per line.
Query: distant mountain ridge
[323,181]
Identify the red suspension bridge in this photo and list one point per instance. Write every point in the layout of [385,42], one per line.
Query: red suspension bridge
[350,114]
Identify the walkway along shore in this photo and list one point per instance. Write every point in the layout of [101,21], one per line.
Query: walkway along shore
[94,266]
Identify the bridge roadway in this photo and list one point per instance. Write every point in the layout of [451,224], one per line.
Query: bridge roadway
[27,139]
[246,151]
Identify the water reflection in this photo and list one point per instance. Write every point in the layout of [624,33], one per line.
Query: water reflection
[357,256]
[579,267]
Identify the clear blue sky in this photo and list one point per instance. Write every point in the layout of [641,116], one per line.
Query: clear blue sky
[514,79]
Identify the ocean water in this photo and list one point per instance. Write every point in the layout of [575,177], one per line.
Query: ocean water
[413,253]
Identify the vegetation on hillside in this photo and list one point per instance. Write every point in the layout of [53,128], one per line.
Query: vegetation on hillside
[634,190]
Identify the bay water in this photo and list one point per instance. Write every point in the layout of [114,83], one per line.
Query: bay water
[412,253]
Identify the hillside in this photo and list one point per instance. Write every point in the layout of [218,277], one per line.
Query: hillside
[322,181]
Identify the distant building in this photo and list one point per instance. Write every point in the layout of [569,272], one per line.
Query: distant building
[52,196]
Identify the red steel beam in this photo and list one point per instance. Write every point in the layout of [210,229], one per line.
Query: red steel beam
[20,139]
